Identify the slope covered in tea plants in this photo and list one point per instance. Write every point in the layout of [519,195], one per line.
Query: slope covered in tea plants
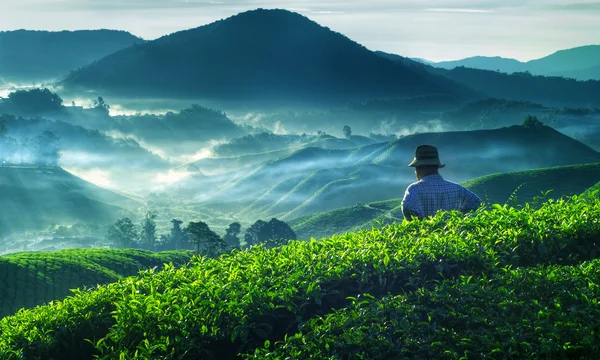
[524,186]
[220,308]
[539,312]
[28,279]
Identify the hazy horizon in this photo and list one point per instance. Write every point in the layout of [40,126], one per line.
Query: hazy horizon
[437,31]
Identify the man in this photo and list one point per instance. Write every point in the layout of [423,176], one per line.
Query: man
[432,193]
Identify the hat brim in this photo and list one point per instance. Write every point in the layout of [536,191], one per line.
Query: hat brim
[432,162]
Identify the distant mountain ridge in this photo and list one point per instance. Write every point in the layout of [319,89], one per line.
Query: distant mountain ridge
[260,54]
[28,55]
[581,63]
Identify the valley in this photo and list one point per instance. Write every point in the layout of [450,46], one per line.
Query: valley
[235,190]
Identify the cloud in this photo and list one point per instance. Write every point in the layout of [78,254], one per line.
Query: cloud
[576,7]
[460,10]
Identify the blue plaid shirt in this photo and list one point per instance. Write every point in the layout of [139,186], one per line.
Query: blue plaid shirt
[432,194]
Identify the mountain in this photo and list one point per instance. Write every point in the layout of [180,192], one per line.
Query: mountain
[580,63]
[523,86]
[33,198]
[566,60]
[263,55]
[519,86]
[589,73]
[42,55]
[313,179]
[485,63]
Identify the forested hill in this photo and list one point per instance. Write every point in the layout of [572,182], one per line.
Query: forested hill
[42,55]
[273,55]
[581,63]
[522,86]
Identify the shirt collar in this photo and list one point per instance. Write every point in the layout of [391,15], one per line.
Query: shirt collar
[432,177]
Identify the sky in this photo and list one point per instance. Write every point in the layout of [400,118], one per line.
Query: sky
[432,29]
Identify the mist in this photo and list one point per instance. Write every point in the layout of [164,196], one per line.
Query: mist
[234,146]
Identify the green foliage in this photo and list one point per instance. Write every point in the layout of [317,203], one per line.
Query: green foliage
[232,235]
[272,233]
[148,234]
[532,122]
[123,233]
[28,279]
[540,312]
[201,234]
[34,101]
[524,186]
[219,308]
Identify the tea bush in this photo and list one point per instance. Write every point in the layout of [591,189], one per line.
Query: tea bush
[541,312]
[219,308]
[32,278]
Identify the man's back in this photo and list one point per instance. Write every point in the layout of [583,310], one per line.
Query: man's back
[432,194]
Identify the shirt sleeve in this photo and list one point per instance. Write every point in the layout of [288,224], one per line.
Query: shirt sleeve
[409,205]
[471,201]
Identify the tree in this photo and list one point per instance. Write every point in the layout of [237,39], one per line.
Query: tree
[177,236]
[231,235]
[532,122]
[347,131]
[148,235]
[272,233]
[101,105]
[253,233]
[35,101]
[23,147]
[48,149]
[201,234]
[123,233]
[8,148]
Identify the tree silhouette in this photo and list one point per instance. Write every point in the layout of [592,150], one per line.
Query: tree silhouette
[177,235]
[201,234]
[123,233]
[23,147]
[35,101]
[48,149]
[8,147]
[532,122]
[347,131]
[231,235]
[101,106]
[148,235]
[272,233]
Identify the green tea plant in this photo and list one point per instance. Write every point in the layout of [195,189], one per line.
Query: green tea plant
[28,279]
[540,312]
[219,308]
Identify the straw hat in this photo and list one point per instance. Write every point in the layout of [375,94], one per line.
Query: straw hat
[426,155]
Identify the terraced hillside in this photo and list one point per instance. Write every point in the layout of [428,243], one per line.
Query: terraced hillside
[513,188]
[448,287]
[313,180]
[29,279]
[524,186]
[33,198]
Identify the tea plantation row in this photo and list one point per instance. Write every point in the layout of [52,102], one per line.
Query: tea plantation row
[220,308]
[539,312]
[28,279]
